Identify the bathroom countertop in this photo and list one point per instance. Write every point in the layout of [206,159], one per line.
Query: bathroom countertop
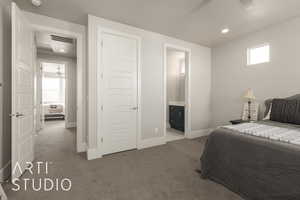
[176,103]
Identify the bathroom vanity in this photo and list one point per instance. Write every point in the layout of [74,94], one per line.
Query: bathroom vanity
[176,115]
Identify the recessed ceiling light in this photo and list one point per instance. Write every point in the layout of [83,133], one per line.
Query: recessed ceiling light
[36,3]
[225,30]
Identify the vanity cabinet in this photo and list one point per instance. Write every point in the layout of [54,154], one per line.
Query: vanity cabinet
[176,117]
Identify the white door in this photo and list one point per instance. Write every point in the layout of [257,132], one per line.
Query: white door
[22,92]
[120,62]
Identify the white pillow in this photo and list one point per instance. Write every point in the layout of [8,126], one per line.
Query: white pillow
[268,116]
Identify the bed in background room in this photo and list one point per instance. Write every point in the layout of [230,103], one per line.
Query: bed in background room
[54,112]
[261,160]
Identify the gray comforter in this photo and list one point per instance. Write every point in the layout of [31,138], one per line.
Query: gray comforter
[256,168]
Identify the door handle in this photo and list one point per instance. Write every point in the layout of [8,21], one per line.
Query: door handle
[16,115]
[19,115]
[134,108]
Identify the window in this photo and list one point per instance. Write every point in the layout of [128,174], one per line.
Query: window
[53,68]
[53,83]
[182,67]
[258,55]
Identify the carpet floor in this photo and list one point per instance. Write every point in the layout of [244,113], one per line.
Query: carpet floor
[159,173]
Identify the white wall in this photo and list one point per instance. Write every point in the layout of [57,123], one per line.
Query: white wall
[70,80]
[5,89]
[152,83]
[231,76]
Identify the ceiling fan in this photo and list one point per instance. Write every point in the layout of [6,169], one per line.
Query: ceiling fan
[247,4]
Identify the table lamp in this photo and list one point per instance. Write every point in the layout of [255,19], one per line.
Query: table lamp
[250,97]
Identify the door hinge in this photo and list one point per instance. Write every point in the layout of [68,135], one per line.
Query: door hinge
[101,76]
[102,139]
[102,107]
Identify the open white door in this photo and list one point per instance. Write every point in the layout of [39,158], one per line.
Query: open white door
[22,117]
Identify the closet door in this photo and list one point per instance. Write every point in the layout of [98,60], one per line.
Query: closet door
[119,109]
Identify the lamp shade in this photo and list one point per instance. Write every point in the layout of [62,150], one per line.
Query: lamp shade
[249,94]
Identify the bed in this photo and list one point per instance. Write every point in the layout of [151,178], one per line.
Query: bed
[256,167]
[53,112]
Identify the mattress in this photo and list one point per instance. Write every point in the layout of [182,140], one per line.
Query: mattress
[284,134]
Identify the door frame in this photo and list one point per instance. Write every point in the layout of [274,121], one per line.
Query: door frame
[81,145]
[40,75]
[98,153]
[187,110]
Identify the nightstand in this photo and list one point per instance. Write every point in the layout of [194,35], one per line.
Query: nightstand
[238,121]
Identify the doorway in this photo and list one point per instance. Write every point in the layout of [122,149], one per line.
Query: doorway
[53,92]
[56,84]
[27,82]
[176,92]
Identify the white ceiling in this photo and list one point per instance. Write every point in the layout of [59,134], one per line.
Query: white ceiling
[45,44]
[198,21]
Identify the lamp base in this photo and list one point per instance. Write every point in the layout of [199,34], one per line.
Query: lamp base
[249,110]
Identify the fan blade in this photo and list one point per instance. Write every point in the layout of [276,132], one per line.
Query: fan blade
[199,6]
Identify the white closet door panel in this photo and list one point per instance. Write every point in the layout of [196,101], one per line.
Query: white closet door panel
[119,59]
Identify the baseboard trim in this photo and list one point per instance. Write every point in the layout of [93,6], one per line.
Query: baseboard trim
[199,133]
[70,124]
[5,172]
[147,143]
[93,154]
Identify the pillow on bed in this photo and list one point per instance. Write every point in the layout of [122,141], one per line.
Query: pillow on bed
[285,111]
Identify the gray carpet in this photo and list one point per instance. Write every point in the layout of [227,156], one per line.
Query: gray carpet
[158,173]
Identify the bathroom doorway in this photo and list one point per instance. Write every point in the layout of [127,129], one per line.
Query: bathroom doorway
[176,92]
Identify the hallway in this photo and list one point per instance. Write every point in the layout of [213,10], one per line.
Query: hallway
[55,142]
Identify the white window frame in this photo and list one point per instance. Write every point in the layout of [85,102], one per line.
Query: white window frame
[254,47]
[53,75]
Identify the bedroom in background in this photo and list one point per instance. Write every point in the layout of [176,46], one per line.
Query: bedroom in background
[56,79]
